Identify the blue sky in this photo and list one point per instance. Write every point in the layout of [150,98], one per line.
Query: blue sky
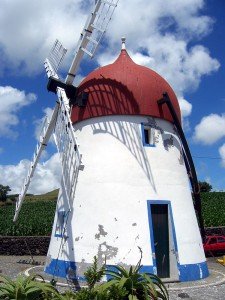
[183,40]
[208,99]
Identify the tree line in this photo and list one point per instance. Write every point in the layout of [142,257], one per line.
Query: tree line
[4,189]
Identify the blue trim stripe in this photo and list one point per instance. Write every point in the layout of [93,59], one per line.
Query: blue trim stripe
[173,228]
[193,271]
[148,269]
[151,234]
[159,202]
[67,269]
[64,269]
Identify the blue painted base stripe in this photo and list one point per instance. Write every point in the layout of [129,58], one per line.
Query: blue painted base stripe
[67,269]
[64,269]
[193,271]
[148,269]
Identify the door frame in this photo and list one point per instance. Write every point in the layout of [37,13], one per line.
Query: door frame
[171,232]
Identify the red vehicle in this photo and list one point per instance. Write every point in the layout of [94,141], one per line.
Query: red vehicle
[214,244]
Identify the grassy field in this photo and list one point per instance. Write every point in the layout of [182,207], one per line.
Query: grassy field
[35,218]
[43,197]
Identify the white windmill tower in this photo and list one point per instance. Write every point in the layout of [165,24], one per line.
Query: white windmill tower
[129,189]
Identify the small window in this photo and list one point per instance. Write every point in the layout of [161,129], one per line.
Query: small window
[60,224]
[221,239]
[147,136]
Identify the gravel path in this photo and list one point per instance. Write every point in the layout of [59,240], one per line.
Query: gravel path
[13,265]
[212,288]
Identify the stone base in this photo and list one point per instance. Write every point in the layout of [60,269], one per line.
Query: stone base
[29,245]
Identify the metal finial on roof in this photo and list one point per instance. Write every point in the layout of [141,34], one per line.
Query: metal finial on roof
[123,39]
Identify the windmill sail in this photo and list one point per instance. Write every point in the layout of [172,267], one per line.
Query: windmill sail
[54,59]
[67,146]
[45,135]
[92,33]
[60,124]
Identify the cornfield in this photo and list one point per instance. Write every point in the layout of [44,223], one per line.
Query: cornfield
[36,218]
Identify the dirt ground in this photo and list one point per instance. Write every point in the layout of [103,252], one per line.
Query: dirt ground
[211,288]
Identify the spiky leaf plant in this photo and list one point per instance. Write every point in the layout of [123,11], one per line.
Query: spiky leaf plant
[138,286]
[93,275]
[26,288]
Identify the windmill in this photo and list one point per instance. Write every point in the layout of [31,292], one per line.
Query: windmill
[129,189]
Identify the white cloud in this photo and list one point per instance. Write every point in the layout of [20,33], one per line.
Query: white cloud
[208,179]
[39,122]
[11,101]
[28,30]
[222,154]
[186,107]
[47,175]
[210,129]
[78,79]
[158,34]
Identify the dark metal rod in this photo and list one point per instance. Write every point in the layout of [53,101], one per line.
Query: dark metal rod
[188,162]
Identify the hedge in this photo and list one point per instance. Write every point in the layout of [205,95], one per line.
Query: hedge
[213,209]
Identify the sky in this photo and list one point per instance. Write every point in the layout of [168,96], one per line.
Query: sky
[182,40]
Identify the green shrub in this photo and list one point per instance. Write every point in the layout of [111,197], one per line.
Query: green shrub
[123,284]
[93,275]
[213,209]
[9,201]
[135,285]
[26,288]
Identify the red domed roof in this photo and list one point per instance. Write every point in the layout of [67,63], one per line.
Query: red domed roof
[124,88]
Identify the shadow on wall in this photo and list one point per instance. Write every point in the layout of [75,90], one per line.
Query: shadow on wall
[107,97]
[169,139]
[130,136]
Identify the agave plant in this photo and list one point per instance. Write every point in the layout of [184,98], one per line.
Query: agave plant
[26,288]
[137,286]
[93,275]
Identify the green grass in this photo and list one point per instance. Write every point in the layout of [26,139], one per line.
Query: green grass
[35,218]
[43,197]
